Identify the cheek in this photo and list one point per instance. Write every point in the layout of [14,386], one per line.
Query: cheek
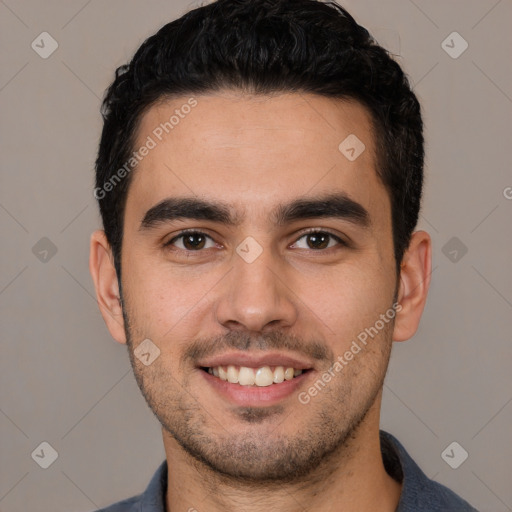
[348,300]
[163,300]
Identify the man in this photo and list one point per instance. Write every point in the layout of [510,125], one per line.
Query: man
[259,178]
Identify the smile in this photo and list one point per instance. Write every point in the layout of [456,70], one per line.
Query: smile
[260,377]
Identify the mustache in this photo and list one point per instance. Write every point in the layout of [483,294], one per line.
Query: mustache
[245,341]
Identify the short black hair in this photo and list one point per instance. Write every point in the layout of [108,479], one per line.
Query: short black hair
[266,47]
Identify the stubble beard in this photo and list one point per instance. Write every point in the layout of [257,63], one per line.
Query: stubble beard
[236,452]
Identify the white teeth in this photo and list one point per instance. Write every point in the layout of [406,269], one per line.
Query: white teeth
[246,376]
[278,375]
[232,374]
[223,374]
[264,376]
[261,377]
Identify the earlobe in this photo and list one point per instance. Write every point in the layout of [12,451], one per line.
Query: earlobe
[415,272]
[103,272]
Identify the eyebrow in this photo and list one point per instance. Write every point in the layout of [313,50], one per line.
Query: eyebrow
[334,205]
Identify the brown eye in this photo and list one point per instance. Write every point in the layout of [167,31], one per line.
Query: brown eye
[320,240]
[192,241]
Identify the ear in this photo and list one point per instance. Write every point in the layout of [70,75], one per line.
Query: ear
[103,272]
[414,284]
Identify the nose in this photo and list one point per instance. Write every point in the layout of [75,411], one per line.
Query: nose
[257,296]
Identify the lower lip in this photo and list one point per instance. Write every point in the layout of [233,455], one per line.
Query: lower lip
[255,396]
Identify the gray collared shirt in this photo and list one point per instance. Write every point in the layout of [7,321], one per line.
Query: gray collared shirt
[419,493]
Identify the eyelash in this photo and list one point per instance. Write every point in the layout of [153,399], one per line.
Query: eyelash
[188,253]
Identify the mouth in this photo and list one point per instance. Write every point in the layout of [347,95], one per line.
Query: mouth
[261,376]
[255,379]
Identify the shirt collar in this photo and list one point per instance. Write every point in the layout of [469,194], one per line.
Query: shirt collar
[399,465]
[153,499]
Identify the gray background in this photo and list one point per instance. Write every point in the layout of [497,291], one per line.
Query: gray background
[64,381]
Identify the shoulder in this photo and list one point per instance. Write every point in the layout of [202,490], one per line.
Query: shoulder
[419,493]
[151,500]
[428,495]
[128,505]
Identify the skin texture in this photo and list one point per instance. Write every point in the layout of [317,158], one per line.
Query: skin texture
[254,153]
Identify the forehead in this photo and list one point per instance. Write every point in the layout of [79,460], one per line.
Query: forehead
[256,151]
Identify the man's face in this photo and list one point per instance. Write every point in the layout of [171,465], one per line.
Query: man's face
[261,291]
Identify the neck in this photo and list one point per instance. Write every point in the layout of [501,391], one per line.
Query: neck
[352,478]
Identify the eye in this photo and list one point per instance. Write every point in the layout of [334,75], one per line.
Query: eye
[192,241]
[195,241]
[319,240]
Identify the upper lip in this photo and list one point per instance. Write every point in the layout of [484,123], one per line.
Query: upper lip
[255,360]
